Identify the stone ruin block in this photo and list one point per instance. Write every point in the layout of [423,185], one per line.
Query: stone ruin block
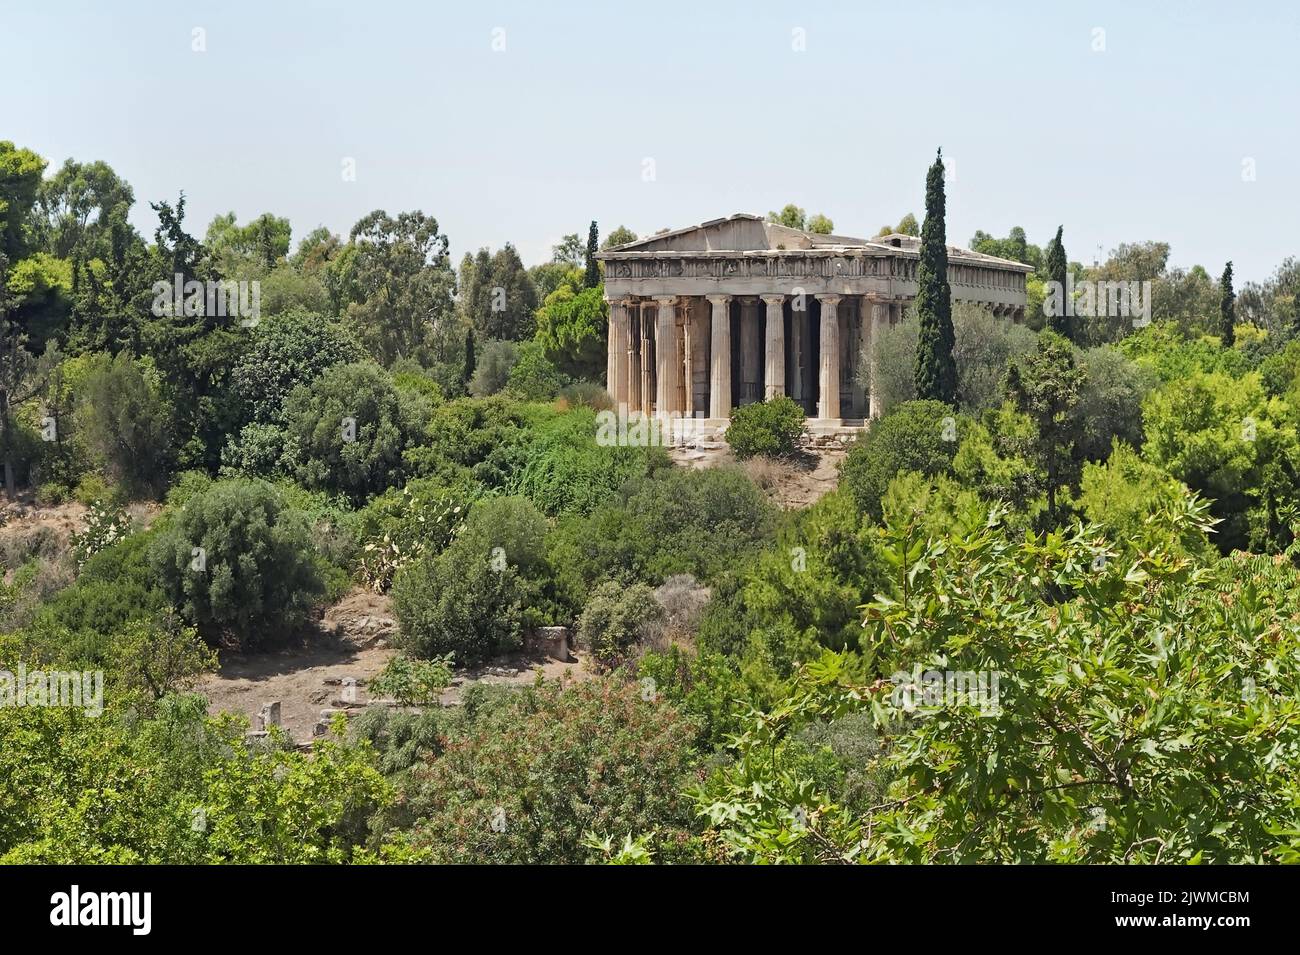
[269,715]
[552,642]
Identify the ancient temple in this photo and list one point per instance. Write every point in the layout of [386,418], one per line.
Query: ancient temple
[737,310]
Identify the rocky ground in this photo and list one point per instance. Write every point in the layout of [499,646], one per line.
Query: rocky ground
[330,667]
[791,484]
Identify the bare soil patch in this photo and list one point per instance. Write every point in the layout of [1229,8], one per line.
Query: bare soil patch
[350,642]
[792,483]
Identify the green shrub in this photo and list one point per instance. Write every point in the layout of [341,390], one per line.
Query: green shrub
[52,494]
[465,601]
[93,488]
[123,417]
[553,765]
[105,526]
[115,586]
[236,561]
[564,470]
[533,377]
[615,619]
[572,327]
[75,789]
[492,370]
[586,394]
[398,527]
[286,351]
[412,682]
[798,597]
[1126,495]
[916,436]
[1227,439]
[672,521]
[346,431]
[478,596]
[770,428]
[478,439]
[156,656]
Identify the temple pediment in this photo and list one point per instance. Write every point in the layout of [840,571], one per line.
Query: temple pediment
[738,233]
[746,233]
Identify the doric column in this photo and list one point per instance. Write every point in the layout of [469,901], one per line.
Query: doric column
[618,339]
[648,318]
[720,357]
[774,366]
[611,349]
[687,391]
[751,352]
[667,368]
[880,316]
[828,392]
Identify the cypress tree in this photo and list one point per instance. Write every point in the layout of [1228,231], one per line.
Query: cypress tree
[936,369]
[468,371]
[1058,267]
[1227,309]
[592,277]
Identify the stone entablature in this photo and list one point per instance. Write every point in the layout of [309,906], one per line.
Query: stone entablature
[753,273]
[738,310]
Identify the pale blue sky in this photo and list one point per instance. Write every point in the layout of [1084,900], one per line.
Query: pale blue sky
[1142,141]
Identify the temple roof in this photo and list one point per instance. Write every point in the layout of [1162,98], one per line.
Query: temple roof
[752,234]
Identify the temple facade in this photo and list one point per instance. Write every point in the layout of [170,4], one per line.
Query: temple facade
[738,310]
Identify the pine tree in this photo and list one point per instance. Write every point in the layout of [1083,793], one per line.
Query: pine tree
[936,369]
[592,277]
[1058,268]
[468,371]
[1227,309]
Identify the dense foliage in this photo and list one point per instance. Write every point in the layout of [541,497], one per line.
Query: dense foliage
[1049,613]
[771,428]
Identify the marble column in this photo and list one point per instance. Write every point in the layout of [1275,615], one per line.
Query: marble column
[632,356]
[881,313]
[828,393]
[720,357]
[751,357]
[617,380]
[774,365]
[686,392]
[667,366]
[611,348]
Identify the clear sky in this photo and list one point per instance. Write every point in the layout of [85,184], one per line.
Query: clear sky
[1144,140]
